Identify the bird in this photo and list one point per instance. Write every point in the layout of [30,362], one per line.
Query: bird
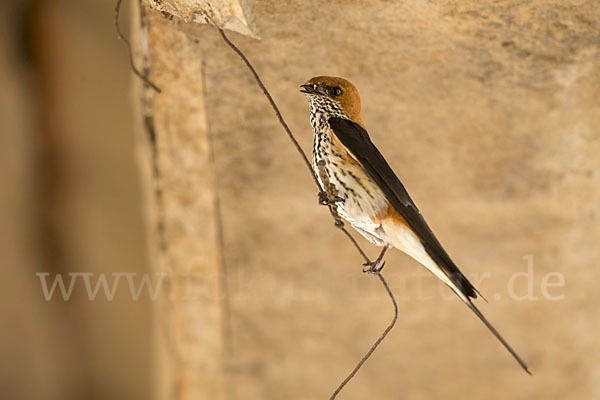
[369,195]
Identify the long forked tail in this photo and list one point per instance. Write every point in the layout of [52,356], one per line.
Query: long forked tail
[498,336]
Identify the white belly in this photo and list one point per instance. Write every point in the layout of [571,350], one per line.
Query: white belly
[363,200]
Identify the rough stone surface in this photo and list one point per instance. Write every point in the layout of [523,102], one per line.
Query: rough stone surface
[234,15]
[489,112]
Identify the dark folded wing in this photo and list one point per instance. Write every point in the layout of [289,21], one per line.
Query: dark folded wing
[356,139]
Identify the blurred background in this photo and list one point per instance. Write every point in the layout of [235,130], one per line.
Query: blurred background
[488,111]
[70,204]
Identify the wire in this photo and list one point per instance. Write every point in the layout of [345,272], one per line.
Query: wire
[124,39]
[375,345]
[338,222]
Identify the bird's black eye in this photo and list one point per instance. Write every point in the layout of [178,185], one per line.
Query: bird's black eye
[336,91]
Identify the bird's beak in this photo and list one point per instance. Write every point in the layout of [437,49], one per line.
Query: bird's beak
[312,89]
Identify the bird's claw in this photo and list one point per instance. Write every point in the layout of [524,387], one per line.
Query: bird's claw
[324,199]
[373,267]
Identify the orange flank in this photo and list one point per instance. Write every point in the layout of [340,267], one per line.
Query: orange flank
[391,215]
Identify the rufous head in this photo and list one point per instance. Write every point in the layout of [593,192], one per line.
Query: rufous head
[324,90]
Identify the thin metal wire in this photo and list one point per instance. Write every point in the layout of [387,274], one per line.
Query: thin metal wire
[375,345]
[338,222]
[273,105]
[124,39]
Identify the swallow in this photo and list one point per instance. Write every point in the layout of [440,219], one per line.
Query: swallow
[369,195]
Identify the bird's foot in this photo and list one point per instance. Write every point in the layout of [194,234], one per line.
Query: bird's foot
[325,200]
[373,267]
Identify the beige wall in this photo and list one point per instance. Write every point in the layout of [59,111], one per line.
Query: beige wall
[488,111]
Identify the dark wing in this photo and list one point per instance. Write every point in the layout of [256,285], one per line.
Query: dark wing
[357,140]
